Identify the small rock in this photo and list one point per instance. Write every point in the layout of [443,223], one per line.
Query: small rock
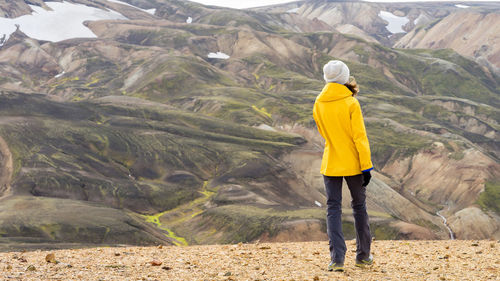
[445,257]
[31,268]
[436,268]
[166,268]
[156,263]
[475,244]
[316,278]
[265,248]
[117,254]
[316,253]
[9,267]
[228,273]
[160,247]
[50,258]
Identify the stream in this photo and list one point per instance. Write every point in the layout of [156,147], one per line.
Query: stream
[445,222]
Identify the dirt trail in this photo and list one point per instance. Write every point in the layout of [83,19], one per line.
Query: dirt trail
[6,169]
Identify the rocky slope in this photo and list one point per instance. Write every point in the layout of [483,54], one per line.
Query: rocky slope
[476,38]
[394,260]
[468,28]
[141,128]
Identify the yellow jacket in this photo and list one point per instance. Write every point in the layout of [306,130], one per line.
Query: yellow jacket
[338,117]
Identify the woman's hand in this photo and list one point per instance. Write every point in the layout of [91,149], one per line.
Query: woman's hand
[367,176]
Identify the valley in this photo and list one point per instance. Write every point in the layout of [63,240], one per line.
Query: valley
[140,135]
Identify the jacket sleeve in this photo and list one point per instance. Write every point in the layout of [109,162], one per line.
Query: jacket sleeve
[317,120]
[360,138]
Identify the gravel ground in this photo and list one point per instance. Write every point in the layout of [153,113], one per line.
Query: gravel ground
[394,260]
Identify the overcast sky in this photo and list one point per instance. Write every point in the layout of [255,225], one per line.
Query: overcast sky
[240,4]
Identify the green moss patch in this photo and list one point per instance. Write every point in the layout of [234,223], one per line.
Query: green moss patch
[489,199]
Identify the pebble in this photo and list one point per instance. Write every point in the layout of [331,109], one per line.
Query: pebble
[156,263]
[50,258]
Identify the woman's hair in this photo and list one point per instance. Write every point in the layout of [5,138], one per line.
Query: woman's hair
[352,85]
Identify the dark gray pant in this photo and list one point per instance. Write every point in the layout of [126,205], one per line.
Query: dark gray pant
[338,248]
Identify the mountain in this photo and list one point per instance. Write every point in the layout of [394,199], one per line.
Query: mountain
[179,123]
[468,28]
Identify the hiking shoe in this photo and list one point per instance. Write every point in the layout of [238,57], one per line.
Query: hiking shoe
[336,266]
[364,263]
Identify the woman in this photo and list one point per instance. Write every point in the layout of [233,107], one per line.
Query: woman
[346,156]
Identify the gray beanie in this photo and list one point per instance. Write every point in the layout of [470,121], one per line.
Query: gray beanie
[336,71]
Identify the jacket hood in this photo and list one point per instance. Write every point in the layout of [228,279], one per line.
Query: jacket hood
[333,92]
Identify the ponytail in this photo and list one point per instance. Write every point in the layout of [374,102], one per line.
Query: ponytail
[352,86]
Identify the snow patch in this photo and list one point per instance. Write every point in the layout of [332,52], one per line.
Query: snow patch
[60,74]
[395,23]
[65,21]
[218,55]
[150,11]
[3,39]
[293,11]
[266,128]
[462,6]
[421,19]
[189,20]
[317,203]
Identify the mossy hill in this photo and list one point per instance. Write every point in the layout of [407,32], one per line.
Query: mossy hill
[153,142]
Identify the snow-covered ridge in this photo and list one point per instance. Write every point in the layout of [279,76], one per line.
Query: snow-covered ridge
[218,55]
[421,19]
[395,23]
[462,6]
[65,21]
[149,11]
